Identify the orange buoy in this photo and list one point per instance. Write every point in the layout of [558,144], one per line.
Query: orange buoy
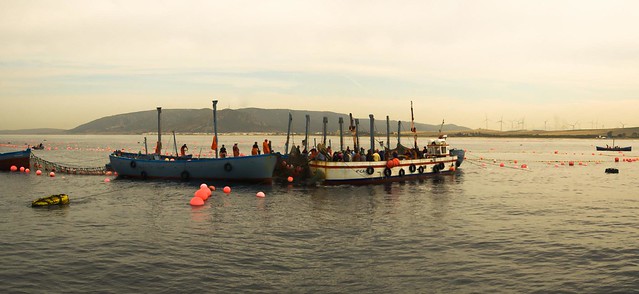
[227,189]
[501,164]
[38,172]
[13,168]
[212,188]
[52,174]
[22,169]
[290,179]
[196,201]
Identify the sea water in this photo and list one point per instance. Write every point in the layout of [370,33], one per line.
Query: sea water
[549,227]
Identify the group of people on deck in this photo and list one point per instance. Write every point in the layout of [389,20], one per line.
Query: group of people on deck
[348,155]
[266,148]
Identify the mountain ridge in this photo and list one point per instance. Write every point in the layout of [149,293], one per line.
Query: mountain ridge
[245,120]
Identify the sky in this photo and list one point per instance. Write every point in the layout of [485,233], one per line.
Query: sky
[481,64]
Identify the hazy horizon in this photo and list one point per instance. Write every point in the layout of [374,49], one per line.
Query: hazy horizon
[479,64]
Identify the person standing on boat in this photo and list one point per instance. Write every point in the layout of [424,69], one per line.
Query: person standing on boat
[255,150]
[236,150]
[265,147]
[183,150]
[223,151]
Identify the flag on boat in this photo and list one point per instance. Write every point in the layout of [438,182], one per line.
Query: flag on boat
[214,144]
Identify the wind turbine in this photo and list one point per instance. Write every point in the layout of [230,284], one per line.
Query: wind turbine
[622,125]
[501,123]
[486,121]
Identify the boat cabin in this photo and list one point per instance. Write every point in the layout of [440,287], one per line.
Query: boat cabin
[438,147]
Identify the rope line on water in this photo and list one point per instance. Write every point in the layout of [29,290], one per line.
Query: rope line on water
[57,167]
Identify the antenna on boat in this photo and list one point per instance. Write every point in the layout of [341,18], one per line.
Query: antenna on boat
[441,126]
[412,124]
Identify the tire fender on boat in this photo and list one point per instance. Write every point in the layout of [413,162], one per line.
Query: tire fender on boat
[421,169]
[402,172]
[133,164]
[412,168]
[387,172]
[436,168]
[228,167]
[144,175]
[185,175]
[370,170]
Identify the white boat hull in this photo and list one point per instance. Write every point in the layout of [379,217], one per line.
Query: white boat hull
[372,172]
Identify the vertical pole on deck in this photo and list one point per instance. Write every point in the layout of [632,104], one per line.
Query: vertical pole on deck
[158,148]
[356,135]
[308,121]
[387,132]
[372,119]
[341,133]
[288,132]
[215,125]
[324,122]
[146,148]
[399,132]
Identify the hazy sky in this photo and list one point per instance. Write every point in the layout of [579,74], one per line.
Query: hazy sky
[548,63]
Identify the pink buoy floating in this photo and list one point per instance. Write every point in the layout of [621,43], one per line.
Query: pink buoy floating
[38,172]
[260,194]
[290,179]
[13,168]
[107,180]
[27,170]
[52,174]
[212,188]
[22,169]
[227,189]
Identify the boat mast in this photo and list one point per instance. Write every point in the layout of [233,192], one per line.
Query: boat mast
[387,132]
[341,133]
[399,132]
[351,128]
[412,124]
[357,133]
[215,126]
[288,132]
[175,144]
[372,119]
[308,121]
[158,146]
[324,122]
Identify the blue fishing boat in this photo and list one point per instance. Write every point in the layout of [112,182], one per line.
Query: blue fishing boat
[17,158]
[254,168]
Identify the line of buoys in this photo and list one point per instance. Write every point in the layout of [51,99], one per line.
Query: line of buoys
[201,195]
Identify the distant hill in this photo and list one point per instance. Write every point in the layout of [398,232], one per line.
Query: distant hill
[244,120]
[43,131]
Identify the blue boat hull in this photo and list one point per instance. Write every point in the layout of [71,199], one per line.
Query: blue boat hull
[245,169]
[18,158]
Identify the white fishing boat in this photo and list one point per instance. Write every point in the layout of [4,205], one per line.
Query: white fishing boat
[399,164]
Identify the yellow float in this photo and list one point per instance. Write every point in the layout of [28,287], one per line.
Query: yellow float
[60,199]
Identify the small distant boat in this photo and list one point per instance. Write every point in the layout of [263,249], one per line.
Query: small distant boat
[17,158]
[254,168]
[38,147]
[614,148]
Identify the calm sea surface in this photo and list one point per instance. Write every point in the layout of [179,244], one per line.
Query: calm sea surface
[546,228]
